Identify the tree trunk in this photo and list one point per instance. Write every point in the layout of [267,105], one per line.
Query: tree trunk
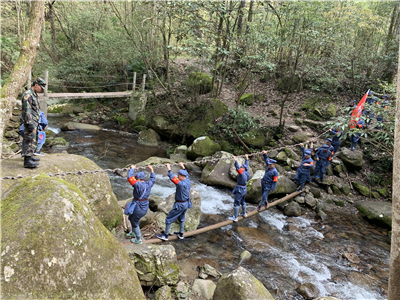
[23,66]
[394,271]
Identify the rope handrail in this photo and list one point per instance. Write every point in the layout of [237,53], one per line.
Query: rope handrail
[83,172]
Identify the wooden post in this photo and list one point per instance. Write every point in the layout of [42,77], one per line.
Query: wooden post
[134,81]
[144,81]
[29,80]
[46,78]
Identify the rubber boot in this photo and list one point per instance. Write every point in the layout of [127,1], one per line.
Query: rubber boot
[138,239]
[243,213]
[28,163]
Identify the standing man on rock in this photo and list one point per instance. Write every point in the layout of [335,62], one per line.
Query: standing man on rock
[141,195]
[30,118]
[269,181]
[182,202]
[240,189]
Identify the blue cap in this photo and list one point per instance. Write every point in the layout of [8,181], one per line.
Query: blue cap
[385,97]
[329,140]
[139,175]
[307,152]
[245,167]
[370,93]
[325,146]
[271,161]
[183,172]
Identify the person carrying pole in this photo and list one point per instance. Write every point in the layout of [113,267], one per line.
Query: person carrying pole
[240,189]
[182,202]
[269,181]
[141,193]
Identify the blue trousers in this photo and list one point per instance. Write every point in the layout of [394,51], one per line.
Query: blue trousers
[264,197]
[140,210]
[320,168]
[177,213]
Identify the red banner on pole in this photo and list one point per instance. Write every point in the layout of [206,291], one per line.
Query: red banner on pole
[356,113]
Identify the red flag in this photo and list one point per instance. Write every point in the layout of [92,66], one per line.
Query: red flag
[356,113]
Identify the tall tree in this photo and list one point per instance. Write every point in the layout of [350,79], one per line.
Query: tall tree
[394,271]
[23,66]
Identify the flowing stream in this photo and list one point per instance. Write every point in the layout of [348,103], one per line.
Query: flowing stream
[286,251]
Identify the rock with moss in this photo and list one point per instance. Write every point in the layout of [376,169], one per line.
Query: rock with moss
[202,146]
[155,264]
[289,84]
[284,186]
[163,293]
[240,284]
[316,101]
[330,111]
[291,154]
[379,213]
[353,160]
[314,124]
[281,157]
[192,217]
[96,187]
[200,82]
[247,99]
[148,138]
[59,249]
[137,104]
[361,187]
[70,126]
[217,173]
[382,191]
[375,195]
[9,147]
[211,110]
[59,143]
[165,128]
[63,109]
[299,138]
[204,288]
[255,138]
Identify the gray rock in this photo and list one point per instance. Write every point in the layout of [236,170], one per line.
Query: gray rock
[179,157]
[308,291]
[156,264]
[299,199]
[379,213]
[293,209]
[205,288]
[321,215]
[281,156]
[217,173]
[79,126]
[148,138]
[240,284]
[181,149]
[272,154]
[207,270]
[202,146]
[291,175]
[182,290]
[353,160]
[163,293]
[58,244]
[310,200]
[293,128]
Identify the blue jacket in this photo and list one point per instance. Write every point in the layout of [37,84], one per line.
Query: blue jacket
[141,189]
[324,152]
[242,177]
[270,179]
[336,136]
[182,187]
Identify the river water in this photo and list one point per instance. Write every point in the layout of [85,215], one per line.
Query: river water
[286,251]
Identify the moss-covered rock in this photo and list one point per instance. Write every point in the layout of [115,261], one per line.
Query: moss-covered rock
[155,264]
[375,195]
[291,154]
[361,187]
[353,160]
[65,109]
[330,111]
[217,173]
[165,128]
[59,143]
[59,249]
[240,285]
[314,124]
[200,82]
[202,146]
[281,157]
[148,138]
[247,99]
[382,191]
[256,138]
[96,187]
[289,84]
[299,138]
[379,213]
[316,101]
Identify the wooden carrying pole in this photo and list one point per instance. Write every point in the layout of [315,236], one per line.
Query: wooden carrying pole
[222,224]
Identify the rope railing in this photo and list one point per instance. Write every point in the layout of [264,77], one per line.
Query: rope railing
[118,170]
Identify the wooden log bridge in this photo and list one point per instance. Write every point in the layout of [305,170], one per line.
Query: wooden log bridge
[219,225]
[68,96]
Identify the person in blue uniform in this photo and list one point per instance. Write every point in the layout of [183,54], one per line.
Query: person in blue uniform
[356,137]
[141,193]
[240,189]
[182,202]
[304,170]
[335,139]
[324,156]
[269,181]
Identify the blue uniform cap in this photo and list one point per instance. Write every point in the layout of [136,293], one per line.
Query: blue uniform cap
[385,97]
[329,140]
[271,161]
[139,175]
[370,93]
[245,167]
[308,152]
[183,172]
[325,146]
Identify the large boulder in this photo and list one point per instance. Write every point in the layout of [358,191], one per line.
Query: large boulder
[284,186]
[211,110]
[293,209]
[54,247]
[330,112]
[379,213]
[79,126]
[148,138]
[240,284]
[353,160]
[202,146]
[247,99]
[96,187]
[256,138]
[192,217]
[155,264]
[217,173]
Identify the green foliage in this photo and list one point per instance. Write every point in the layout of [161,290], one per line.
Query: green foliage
[120,119]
